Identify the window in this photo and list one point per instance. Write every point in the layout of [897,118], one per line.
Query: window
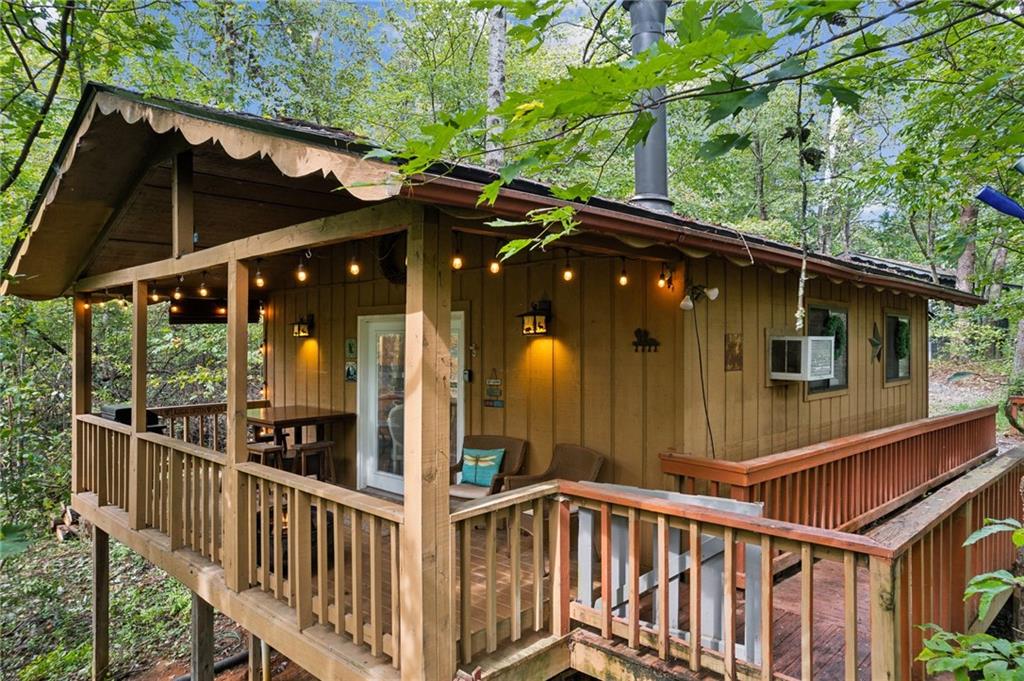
[824,320]
[897,347]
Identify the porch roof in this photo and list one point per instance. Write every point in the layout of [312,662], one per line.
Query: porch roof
[75,212]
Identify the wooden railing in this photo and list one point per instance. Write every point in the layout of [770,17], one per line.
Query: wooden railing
[201,424]
[481,559]
[103,459]
[914,569]
[933,566]
[181,493]
[329,552]
[851,481]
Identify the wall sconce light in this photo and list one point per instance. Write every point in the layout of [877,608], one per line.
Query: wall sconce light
[303,328]
[696,293]
[537,322]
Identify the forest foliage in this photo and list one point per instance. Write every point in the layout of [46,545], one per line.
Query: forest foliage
[841,126]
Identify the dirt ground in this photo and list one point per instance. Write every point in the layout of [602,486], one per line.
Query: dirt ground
[956,387]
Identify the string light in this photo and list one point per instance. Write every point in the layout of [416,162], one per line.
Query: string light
[623,277]
[203,291]
[154,296]
[301,273]
[353,267]
[662,279]
[494,266]
[457,260]
[567,273]
[86,305]
[260,281]
[177,289]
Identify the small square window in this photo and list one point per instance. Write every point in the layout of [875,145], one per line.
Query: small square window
[825,320]
[897,347]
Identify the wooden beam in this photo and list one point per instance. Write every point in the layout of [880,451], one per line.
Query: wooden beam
[202,639]
[236,520]
[383,218]
[81,380]
[126,199]
[427,634]
[100,603]
[182,205]
[135,464]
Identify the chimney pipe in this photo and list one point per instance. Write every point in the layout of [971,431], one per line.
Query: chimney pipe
[650,158]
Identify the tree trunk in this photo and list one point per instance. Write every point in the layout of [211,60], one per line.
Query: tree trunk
[835,118]
[998,268]
[965,265]
[757,148]
[495,156]
[1018,354]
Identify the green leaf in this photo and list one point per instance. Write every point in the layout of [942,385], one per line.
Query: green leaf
[723,144]
[14,539]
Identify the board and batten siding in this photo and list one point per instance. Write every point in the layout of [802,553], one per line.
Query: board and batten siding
[585,383]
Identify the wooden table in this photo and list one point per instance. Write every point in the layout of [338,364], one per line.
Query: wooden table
[295,416]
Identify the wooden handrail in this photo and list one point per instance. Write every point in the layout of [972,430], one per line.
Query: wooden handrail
[184,447]
[835,539]
[762,468]
[903,530]
[202,408]
[381,508]
[97,420]
[503,500]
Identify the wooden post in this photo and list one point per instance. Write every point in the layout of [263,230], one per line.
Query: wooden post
[100,603]
[202,639]
[884,605]
[427,632]
[560,585]
[81,383]
[182,205]
[960,570]
[236,520]
[136,494]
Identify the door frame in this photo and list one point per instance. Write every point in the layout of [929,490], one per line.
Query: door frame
[366,474]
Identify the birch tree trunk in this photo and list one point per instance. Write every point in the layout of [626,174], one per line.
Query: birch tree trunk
[494,158]
[835,120]
[966,264]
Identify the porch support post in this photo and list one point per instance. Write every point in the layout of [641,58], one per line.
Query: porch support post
[427,643]
[236,520]
[81,382]
[182,205]
[202,639]
[885,608]
[140,291]
[100,603]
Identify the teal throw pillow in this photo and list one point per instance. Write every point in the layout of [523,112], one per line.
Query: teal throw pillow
[479,466]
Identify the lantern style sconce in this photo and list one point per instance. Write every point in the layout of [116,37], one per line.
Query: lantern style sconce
[303,328]
[537,322]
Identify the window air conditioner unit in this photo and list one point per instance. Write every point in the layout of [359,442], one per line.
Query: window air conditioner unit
[801,358]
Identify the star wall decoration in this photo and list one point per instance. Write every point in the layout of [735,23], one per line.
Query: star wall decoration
[876,343]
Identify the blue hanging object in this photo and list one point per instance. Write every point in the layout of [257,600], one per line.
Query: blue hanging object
[1001,202]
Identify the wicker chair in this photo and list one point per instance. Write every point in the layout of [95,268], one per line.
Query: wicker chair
[568,462]
[511,464]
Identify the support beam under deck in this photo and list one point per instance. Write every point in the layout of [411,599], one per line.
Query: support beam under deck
[100,604]
[202,639]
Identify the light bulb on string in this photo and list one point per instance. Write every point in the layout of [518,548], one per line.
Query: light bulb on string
[203,291]
[623,277]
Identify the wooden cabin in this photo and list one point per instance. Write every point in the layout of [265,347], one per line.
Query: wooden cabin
[391,334]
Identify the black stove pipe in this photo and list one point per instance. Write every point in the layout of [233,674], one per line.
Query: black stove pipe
[650,157]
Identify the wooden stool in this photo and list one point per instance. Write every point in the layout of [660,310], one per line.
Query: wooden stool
[322,448]
[266,453]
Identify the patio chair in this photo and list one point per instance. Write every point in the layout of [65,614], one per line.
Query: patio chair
[511,464]
[568,462]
